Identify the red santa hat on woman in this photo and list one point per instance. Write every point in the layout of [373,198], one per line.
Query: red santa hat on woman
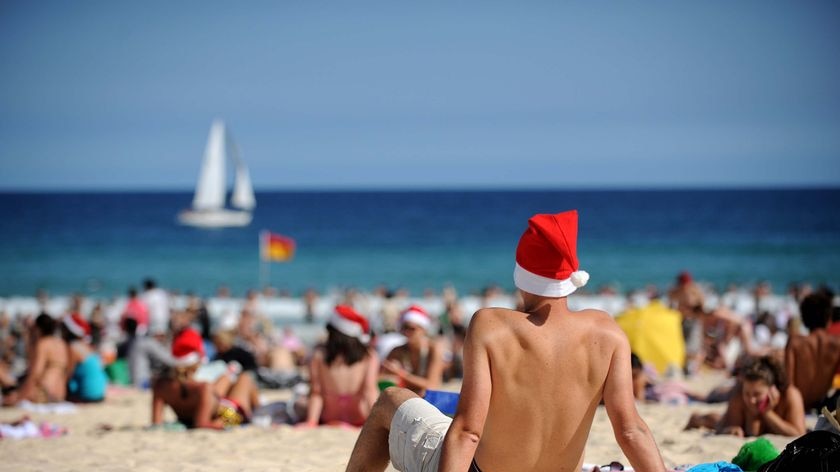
[417,316]
[188,347]
[546,258]
[351,323]
[77,325]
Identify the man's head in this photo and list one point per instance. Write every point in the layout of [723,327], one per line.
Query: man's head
[815,310]
[546,257]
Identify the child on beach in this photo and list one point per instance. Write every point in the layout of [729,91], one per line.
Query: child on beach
[343,372]
[227,402]
[762,403]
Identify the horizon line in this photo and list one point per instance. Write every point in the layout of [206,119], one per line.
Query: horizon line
[439,188]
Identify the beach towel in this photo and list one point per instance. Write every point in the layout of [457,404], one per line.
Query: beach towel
[721,466]
[755,454]
[60,408]
[28,429]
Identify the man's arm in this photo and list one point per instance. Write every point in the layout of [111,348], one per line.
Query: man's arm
[462,438]
[631,432]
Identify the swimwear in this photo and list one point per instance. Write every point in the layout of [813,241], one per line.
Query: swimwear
[474,466]
[88,381]
[231,413]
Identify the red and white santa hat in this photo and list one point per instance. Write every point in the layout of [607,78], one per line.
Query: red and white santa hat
[188,348]
[546,258]
[348,321]
[77,325]
[416,315]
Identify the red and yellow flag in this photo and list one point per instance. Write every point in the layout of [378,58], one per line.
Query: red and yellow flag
[276,247]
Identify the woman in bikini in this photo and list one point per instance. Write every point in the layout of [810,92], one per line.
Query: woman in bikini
[343,373]
[761,403]
[46,379]
[419,363]
[229,401]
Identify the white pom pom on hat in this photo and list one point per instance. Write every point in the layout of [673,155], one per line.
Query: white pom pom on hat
[546,257]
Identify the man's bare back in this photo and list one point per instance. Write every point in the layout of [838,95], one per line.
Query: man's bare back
[558,359]
[532,381]
[549,369]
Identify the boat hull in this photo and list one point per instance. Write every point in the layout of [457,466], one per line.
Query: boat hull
[215,218]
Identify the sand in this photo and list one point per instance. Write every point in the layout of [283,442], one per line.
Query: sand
[113,435]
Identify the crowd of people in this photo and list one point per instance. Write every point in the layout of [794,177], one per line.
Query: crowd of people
[783,362]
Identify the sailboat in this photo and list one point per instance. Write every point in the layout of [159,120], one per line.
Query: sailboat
[208,205]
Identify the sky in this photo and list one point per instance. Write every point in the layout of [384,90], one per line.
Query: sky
[404,95]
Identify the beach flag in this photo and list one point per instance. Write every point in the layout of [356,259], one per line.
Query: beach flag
[276,247]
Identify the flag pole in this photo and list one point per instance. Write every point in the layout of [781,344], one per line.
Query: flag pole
[262,258]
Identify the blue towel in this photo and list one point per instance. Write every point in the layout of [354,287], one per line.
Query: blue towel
[721,466]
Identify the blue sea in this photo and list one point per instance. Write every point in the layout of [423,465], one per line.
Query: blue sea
[99,244]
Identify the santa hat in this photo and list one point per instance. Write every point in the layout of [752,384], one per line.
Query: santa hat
[416,315]
[188,347]
[76,325]
[546,258]
[348,321]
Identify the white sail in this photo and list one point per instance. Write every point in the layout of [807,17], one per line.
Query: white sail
[210,191]
[243,192]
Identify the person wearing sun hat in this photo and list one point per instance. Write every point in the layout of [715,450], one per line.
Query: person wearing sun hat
[88,380]
[533,380]
[342,372]
[419,363]
[227,402]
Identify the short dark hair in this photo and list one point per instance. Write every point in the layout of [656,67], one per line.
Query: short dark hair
[45,324]
[815,310]
[149,283]
[348,347]
[767,369]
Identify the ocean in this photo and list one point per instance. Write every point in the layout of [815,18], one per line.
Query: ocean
[99,244]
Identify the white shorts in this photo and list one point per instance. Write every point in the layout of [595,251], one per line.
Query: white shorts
[416,436]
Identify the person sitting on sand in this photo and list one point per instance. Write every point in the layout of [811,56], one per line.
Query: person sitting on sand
[812,361]
[46,378]
[762,403]
[227,402]
[86,378]
[343,372]
[419,363]
[532,380]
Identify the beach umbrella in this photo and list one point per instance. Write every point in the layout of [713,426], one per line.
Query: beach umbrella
[655,334]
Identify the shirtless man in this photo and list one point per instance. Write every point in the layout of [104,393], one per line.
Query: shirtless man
[532,381]
[811,361]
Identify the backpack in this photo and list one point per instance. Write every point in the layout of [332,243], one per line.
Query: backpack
[817,451]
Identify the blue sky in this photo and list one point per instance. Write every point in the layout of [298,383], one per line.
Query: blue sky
[120,95]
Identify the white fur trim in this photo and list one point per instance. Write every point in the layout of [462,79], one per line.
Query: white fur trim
[544,286]
[417,318]
[345,326]
[74,327]
[188,360]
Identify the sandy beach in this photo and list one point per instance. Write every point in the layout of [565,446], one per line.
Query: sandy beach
[113,436]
